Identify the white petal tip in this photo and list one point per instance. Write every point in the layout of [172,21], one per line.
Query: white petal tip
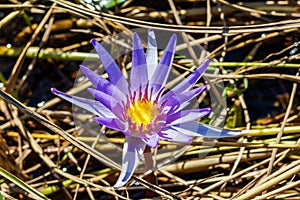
[118,185]
[230,133]
[123,179]
[53,90]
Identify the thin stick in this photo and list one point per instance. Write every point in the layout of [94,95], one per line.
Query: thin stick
[257,190]
[13,14]
[274,26]
[278,190]
[280,133]
[17,67]
[86,163]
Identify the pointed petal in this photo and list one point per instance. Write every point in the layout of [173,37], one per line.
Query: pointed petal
[102,84]
[152,140]
[138,74]
[108,101]
[175,136]
[105,99]
[133,149]
[115,75]
[204,130]
[91,105]
[187,116]
[192,79]
[151,55]
[162,71]
[112,123]
[178,101]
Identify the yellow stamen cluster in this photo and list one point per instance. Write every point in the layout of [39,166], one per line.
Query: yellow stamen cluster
[142,112]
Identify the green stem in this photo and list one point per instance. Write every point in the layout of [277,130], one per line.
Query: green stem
[81,56]
[48,53]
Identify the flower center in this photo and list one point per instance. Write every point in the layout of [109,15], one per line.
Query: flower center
[142,112]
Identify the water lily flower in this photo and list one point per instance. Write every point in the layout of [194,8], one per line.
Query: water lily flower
[140,108]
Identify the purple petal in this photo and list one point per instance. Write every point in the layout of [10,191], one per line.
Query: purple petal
[192,79]
[204,130]
[102,84]
[133,149]
[115,75]
[175,136]
[162,71]
[139,74]
[91,105]
[152,140]
[178,101]
[108,101]
[105,99]
[112,123]
[151,55]
[187,116]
